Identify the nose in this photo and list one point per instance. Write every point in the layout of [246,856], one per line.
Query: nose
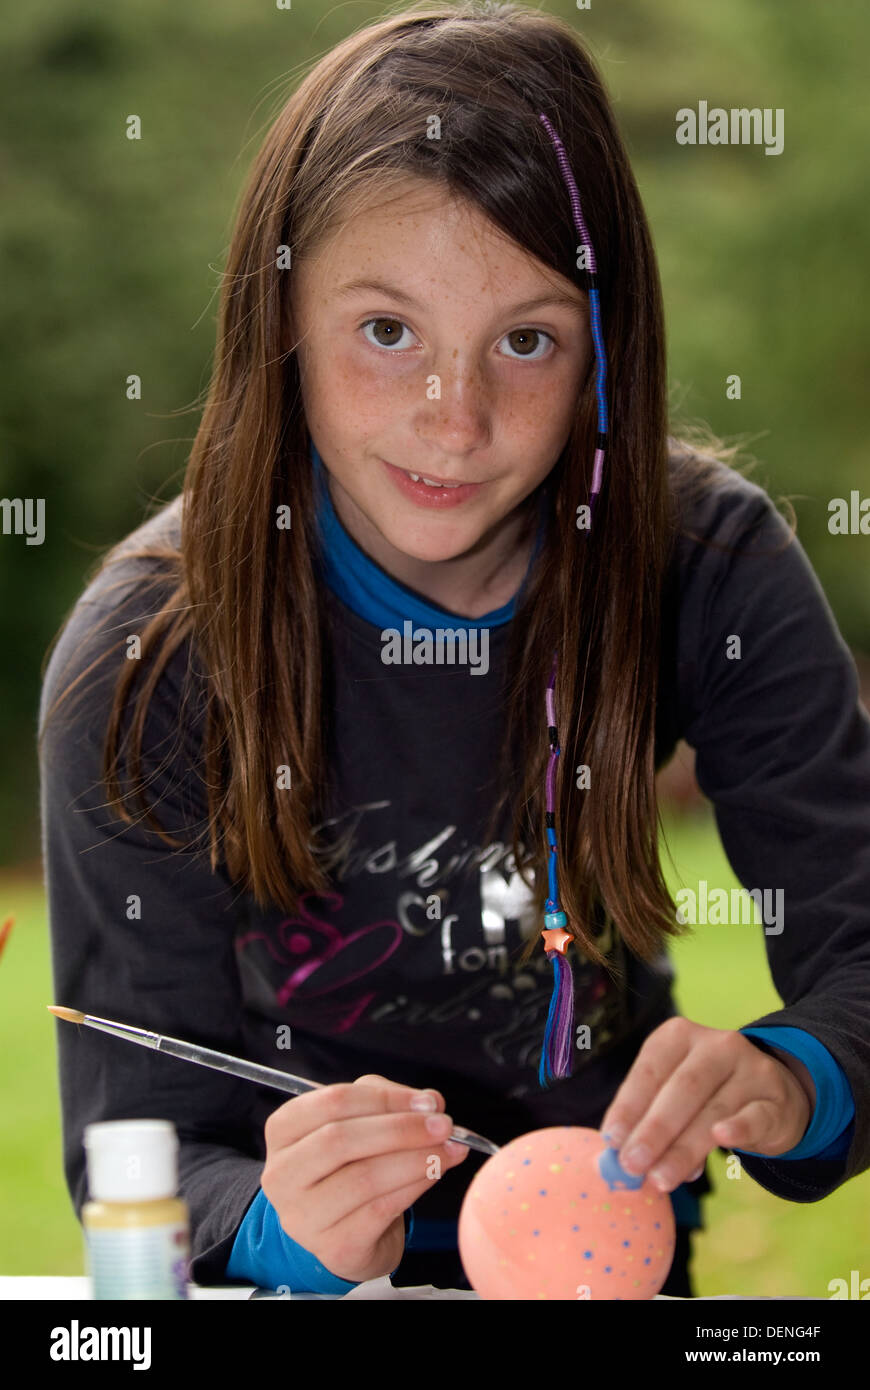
[457,414]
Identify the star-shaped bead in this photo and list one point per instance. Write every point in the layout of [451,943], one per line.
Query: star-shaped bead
[556,939]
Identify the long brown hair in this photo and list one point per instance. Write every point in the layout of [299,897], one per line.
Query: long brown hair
[245,593]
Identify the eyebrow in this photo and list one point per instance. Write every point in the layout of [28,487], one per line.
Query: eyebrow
[556,297]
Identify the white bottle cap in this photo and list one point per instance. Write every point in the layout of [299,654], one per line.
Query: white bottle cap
[131,1160]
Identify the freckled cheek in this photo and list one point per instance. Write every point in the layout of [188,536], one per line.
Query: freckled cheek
[355,376]
[541,416]
[347,401]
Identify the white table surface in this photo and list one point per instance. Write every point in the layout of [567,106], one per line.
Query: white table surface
[38,1287]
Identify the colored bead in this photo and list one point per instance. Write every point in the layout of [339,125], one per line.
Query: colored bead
[556,941]
[556,919]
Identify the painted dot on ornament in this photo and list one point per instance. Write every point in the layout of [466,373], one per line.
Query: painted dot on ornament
[524,1206]
[647,1260]
[555,1167]
[605,1206]
[542,1192]
[536,1233]
[608,1269]
[587,1254]
[626,1242]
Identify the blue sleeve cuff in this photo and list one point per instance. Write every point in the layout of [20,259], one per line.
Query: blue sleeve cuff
[263,1254]
[830,1131]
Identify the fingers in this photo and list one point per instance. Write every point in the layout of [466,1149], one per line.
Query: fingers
[344,1161]
[692,1088]
[347,1245]
[316,1192]
[349,1239]
[423,1100]
[340,1148]
[684,1159]
[674,1075]
[301,1115]
[348,1142]
[386,1183]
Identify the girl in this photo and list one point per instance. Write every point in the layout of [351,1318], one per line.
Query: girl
[300,783]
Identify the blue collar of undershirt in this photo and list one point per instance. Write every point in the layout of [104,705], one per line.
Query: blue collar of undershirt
[369,590]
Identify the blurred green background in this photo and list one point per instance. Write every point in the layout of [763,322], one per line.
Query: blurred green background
[112,251]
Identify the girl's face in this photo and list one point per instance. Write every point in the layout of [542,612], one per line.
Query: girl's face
[428,342]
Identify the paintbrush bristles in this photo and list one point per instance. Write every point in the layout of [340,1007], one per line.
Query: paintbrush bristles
[71,1015]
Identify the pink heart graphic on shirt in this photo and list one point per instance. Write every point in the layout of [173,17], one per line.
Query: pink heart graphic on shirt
[295,940]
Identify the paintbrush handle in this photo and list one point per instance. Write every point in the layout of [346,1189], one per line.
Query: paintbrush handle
[283,1081]
[236,1066]
[248,1071]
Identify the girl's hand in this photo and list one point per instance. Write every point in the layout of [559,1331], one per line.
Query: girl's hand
[692,1089]
[344,1162]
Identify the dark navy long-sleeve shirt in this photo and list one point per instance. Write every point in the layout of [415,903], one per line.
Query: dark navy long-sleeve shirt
[364,979]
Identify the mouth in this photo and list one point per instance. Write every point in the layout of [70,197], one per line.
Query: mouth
[424,488]
[432,481]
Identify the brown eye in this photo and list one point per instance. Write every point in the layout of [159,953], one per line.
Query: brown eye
[387,331]
[525,340]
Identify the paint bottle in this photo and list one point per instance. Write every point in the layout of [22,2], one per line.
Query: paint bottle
[136,1230]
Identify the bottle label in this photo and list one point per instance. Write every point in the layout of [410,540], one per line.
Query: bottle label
[139,1262]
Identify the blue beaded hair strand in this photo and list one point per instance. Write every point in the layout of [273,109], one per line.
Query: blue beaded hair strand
[559,1035]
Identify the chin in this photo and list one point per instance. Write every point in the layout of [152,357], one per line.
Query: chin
[428,555]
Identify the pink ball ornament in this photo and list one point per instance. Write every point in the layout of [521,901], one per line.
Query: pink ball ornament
[552,1215]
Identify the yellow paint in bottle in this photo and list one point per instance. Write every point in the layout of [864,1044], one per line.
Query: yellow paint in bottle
[136,1230]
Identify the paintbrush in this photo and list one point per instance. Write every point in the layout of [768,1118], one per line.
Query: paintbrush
[235,1066]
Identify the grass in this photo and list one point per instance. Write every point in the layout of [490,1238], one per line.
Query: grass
[755,1244]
